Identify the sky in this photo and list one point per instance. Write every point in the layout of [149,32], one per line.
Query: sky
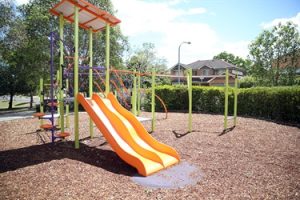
[212,26]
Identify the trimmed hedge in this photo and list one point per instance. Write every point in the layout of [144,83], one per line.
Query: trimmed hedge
[275,103]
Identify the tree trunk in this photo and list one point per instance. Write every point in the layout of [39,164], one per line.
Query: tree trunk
[31,100]
[10,101]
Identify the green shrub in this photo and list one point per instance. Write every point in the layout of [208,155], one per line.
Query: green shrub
[276,103]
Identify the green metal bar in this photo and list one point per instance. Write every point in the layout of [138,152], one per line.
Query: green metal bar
[153,100]
[67,107]
[61,62]
[235,100]
[133,103]
[190,98]
[139,95]
[226,101]
[107,57]
[91,77]
[41,98]
[76,117]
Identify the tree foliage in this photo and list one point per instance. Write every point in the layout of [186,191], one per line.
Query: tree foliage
[275,53]
[235,60]
[24,42]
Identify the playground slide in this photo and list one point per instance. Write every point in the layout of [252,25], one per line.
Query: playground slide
[145,160]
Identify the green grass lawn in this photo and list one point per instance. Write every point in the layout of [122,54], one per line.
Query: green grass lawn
[16,105]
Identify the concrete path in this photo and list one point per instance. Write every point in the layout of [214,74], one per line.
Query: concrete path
[16,115]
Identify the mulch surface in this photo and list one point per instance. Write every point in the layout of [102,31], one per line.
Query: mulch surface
[256,160]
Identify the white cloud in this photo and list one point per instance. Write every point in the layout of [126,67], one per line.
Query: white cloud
[160,18]
[295,20]
[195,11]
[21,2]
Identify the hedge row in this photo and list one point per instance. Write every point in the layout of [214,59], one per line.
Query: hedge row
[276,103]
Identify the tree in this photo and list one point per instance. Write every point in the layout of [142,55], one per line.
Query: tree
[235,60]
[275,53]
[24,40]
[144,59]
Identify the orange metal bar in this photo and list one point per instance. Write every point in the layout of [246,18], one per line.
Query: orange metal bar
[119,91]
[93,13]
[98,86]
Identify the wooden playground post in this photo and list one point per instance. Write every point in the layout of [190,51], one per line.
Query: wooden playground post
[61,62]
[226,101]
[189,81]
[91,76]
[153,100]
[76,117]
[235,99]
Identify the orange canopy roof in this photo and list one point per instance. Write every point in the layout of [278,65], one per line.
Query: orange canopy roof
[89,15]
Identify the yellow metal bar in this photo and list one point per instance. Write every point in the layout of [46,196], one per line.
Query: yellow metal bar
[107,57]
[226,101]
[153,100]
[133,110]
[76,116]
[91,76]
[67,107]
[139,94]
[61,62]
[190,98]
[235,100]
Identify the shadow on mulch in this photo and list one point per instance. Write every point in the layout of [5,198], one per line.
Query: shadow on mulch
[182,134]
[106,159]
[226,131]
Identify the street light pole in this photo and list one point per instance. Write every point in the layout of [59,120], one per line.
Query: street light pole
[179,59]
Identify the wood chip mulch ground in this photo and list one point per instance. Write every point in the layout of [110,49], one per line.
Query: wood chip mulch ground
[256,160]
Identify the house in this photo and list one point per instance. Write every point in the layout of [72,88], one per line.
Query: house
[289,60]
[205,72]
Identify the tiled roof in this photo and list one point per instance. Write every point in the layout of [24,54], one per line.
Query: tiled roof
[214,64]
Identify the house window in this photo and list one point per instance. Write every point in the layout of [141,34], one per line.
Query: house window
[194,72]
[205,72]
[221,71]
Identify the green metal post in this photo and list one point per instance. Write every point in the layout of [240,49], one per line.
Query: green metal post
[139,95]
[153,100]
[67,106]
[133,110]
[235,99]
[107,55]
[91,77]
[76,117]
[226,101]
[41,98]
[190,98]
[61,62]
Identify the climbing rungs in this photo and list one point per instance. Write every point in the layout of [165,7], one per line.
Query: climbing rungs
[54,104]
[62,134]
[46,126]
[40,114]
